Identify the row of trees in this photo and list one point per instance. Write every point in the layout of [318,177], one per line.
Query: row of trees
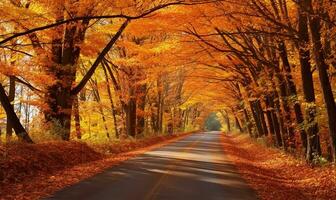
[149,66]
[276,59]
[69,53]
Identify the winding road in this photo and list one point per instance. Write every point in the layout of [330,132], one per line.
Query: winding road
[194,168]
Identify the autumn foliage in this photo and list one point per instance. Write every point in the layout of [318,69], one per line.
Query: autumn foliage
[275,175]
[102,72]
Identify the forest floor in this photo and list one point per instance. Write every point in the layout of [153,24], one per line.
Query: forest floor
[276,175]
[34,171]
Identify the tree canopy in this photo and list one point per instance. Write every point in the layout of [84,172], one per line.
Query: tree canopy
[100,69]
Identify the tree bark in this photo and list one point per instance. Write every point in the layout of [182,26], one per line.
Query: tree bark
[131,122]
[269,111]
[277,121]
[228,123]
[288,132]
[262,117]
[94,85]
[11,115]
[77,118]
[65,50]
[315,30]
[141,104]
[113,109]
[293,93]
[238,126]
[247,122]
[256,118]
[11,98]
[311,125]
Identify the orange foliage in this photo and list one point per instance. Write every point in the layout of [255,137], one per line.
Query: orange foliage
[276,175]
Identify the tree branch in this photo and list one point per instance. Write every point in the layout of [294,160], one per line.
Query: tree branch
[122,16]
[99,59]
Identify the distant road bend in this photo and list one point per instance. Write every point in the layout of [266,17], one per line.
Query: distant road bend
[194,168]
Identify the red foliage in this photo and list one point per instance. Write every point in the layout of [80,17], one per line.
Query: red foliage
[35,171]
[278,176]
[20,161]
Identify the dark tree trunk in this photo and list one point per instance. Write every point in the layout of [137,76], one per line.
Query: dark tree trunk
[141,104]
[228,123]
[77,118]
[269,111]
[315,28]
[261,117]
[293,93]
[277,121]
[288,132]
[313,141]
[65,52]
[160,107]
[247,122]
[60,103]
[154,119]
[131,115]
[11,115]
[256,117]
[185,119]
[11,98]
[238,126]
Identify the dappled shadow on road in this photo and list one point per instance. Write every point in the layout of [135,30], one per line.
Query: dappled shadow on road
[182,170]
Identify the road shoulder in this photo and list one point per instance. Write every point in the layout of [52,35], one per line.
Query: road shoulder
[45,184]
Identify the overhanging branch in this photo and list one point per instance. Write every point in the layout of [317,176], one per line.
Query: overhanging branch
[120,16]
[99,59]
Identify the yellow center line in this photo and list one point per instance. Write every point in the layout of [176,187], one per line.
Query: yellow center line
[173,165]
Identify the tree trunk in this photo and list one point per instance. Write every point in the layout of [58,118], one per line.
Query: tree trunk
[238,126]
[65,52]
[256,118]
[277,121]
[113,109]
[94,85]
[269,111]
[131,118]
[315,28]
[11,98]
[247,123]
[77,118]
[141,104]
[262,117]
[159,107]
[11,115]
[131,113]
[228,123]
[60,103]
[293,93]
[311,126]
[288,132]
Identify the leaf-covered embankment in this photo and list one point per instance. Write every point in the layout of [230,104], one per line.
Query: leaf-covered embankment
[32,171]
[276,175]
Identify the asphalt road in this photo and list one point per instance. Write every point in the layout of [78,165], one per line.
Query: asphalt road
[193,168]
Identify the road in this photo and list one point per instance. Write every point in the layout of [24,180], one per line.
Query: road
[194,168]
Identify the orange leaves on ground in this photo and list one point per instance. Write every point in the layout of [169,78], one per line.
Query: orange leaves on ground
[34,171]
[276,175]
[20,161]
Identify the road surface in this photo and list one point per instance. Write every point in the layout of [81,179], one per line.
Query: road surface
[193,168]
